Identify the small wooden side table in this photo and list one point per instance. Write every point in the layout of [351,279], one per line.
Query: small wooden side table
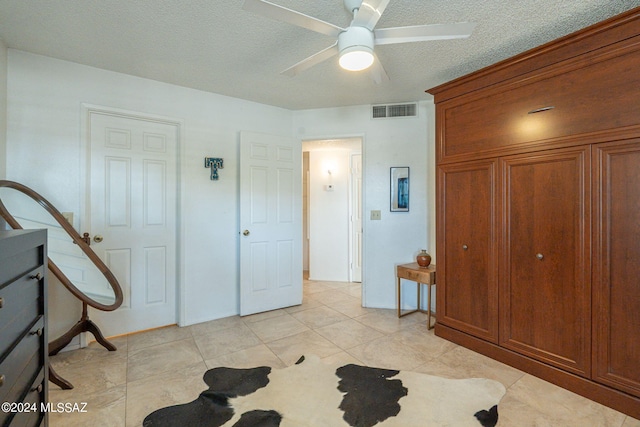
[422,276]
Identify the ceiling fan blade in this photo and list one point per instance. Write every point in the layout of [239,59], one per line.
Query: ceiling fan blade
[280,13]
[378,74]
[315,59]
[369,13]
[420,33]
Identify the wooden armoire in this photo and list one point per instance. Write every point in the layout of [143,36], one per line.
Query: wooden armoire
[538,211]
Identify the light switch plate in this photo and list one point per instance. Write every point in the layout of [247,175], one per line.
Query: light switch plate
[376,215]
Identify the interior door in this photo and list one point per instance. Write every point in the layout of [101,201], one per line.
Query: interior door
[355,207]
[133,203]
[270,223]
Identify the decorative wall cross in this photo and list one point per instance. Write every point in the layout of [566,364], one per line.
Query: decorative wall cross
[214,163]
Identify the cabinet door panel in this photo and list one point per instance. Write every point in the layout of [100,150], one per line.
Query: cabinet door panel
[467,297]
[616,292]
[591,96]
[545,286]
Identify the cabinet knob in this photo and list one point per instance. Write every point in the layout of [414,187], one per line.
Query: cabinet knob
[37,276]
[2,380]
[37,332]
[539,256]
[38,388]
[1,302]
[465,247]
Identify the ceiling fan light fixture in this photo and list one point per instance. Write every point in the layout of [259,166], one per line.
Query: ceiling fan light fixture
[356,48]
[355,42]
[356,58]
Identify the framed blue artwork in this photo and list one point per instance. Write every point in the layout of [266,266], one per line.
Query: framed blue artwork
[400,189]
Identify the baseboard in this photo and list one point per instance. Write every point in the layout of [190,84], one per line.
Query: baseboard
[607,396]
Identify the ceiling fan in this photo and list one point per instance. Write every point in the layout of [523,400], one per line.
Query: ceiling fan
[355,44]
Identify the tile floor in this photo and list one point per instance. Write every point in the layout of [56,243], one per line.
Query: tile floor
[164,367]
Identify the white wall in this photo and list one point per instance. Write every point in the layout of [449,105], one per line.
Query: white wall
[44,148]
[44,151]
[3,109]
[399,236]
[329,215]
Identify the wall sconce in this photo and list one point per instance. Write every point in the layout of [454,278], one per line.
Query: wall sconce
[214,163]
[329,187]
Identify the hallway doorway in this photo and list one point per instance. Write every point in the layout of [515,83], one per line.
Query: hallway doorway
[332,210]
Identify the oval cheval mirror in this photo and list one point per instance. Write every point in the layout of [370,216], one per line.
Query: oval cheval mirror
[70,259]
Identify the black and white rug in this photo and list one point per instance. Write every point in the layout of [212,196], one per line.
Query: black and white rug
[312,393]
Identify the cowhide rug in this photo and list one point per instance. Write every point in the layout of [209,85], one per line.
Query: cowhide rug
[312,393]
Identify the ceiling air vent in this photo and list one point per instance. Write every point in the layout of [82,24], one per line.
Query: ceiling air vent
[394,110]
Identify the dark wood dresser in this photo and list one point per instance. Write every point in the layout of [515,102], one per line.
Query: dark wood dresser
[538,217]
[23,329]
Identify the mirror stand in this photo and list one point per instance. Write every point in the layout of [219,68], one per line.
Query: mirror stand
[58,380]
[99,288]
[84,325]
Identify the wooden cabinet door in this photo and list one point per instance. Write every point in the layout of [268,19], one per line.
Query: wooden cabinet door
[568,93]
[467,296]
[616,266]
[545,293]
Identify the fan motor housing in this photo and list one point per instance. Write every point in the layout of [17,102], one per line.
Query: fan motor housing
[355,37]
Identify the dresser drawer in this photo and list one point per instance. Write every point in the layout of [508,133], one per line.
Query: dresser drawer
[21,303]
[33,397]
[594,95]
[20,366]
[19,263]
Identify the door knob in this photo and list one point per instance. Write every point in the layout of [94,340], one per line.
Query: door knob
[246,233]
[98,238]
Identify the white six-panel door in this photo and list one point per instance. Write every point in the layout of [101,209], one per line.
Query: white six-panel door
[270,223]
[355,219]
[133,204]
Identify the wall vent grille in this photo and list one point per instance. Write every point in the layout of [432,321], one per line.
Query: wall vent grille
[394,110]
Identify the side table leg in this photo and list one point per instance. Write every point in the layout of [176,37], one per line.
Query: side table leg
[398,280]
[429,307]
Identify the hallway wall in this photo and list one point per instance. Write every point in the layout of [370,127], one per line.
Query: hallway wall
[398,237]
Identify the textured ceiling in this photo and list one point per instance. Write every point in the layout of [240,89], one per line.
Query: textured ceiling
[215,46]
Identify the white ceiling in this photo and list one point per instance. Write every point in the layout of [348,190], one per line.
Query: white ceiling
[215,46]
